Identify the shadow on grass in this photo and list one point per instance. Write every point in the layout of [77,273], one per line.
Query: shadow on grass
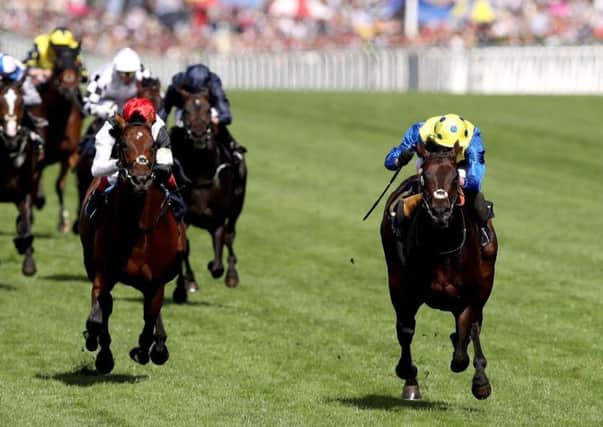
[391,403]
[86,376]
[169,301]
[67,277]
[5,287]
[37,235]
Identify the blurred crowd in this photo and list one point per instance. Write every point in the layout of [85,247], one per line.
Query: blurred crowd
[177,27]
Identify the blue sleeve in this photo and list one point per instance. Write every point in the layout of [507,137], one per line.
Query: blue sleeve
[409,142]
[219,100]
[476,162]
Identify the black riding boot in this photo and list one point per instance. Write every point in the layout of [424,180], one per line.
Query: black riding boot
[484,211]
[229,141]
[34,124]
[174,197]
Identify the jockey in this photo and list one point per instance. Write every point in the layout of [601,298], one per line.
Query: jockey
[109,89]
[40,59]
[106,166]
[445,131]
[194,79]
[12,70]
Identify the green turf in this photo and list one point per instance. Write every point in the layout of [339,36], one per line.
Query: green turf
[308,338]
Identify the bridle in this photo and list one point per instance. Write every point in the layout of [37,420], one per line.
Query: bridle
[125,166]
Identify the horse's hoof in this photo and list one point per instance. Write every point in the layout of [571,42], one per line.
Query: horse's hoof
[459,365]
[180,295]
[75,227]
[138,355]
[481,392]
[215,273]
[91,341]
[191,286]
[104,361]
[29,266]
[232,279]
[159,357]
[39,202]
[411,392]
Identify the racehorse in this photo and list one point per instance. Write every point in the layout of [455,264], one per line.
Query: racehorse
[134,239]
[149,88]
[18,161]
[434,256]
[62,108]
[215,188]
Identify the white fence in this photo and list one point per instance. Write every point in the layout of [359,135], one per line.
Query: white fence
[507,70]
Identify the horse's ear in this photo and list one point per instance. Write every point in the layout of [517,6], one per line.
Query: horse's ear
[421,151]
[457,149]
[121,122]
[185,93]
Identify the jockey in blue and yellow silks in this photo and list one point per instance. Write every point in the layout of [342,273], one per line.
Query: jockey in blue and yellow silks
[446,131]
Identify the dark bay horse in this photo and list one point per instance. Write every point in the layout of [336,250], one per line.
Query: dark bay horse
[134,239]
[18,162]
[215,188]
[62,108]
[149,88]
[434,256]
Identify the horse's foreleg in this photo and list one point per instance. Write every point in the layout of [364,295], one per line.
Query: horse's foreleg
[97,325]
[63,225]
[215,267]
[232,276]
[481,387]
[159,351]
[153,300]
[186,278]
[406,307]
[24,239]
[460,339]
[39,198]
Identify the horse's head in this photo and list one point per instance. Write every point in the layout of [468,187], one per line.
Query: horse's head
[12,108]
[149,88]
[66,69]
[136,152]
[196,117]
[439,180]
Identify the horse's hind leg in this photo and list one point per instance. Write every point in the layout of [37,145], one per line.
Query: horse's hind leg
[232,276]
[215,267]
[481,387]
[152,307]
[63,225]
[24,239]
[97,326]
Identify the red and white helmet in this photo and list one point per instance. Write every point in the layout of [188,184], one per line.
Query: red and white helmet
[140,106]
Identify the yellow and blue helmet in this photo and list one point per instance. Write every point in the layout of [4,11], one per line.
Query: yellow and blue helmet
[450,129]
[62,37]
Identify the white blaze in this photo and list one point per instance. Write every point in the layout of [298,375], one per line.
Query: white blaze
[11,120]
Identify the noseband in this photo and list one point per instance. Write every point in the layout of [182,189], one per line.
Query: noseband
[438,194]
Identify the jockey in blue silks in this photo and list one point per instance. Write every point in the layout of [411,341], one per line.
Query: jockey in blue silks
[194,79]
[445,131]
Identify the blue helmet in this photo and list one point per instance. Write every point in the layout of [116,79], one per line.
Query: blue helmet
[9,68]
[196,76]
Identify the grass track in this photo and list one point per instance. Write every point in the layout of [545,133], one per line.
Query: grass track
[308,338]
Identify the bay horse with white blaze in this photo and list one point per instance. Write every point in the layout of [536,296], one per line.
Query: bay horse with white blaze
[214,190]
[18,162]
[62,108]
[134,239]
[434,256]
